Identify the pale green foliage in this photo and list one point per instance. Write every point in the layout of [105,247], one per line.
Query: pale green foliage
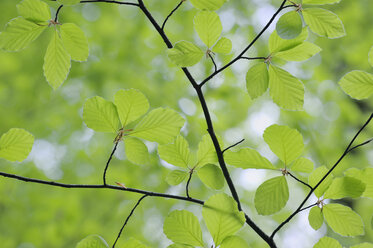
[208,4]
[19,33]
[370,57]
[324,23]
[286,90]
[343,220]
[177,153]
[234,242]
[302,165]
[131,105]
[320,2]
[285,142]
[134,243]
[301,52]
[315,218]
[316,176]
[327,242]
[178,246]
[363,245]
[271,196]
[222,217]
[208,27]
[277,44]
[257,80]
[212,176]
[100,115]
[176,177]
[247,158]
[344,187]
[68,2]
[365,176]
[223,46]
[16,144]
[34,10]
[93,241]
[206,151]
[75,42]
[185,54]
[183,227]
[357,84]
[289,26]
[136,151]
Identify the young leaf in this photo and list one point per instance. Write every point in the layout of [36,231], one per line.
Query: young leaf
[92,241]
[257,80]
[234,242]
[100,115]
[18,34]
[134,243]
[363,245]
[344,187]
[289,26]
[136,151]
[208,27]
[277,44]
[286,90]
[177,154]
[223,46]
[343,220]
[316,176]
[206,151]
[327,242]
[176,177]
[16,144]
[320,2]
[301,52]
[56,62]
[75,42]
[357,84]
[159,125]
[365,176]
[247,158]
[68,2]
[271,196]
[185,54]
[211,176]
[370,58]
[208,4]
[183,227]
[179,246]
[285,142]
[315,218]
[302,165]
[34,10]
[324,23]
[131,104]
[222,217]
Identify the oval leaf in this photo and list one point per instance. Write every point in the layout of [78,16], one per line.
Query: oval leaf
[68,2]
[257,80]
[16,144]
[320,2]
[365,176]
[206,153]
[223,46]
[302,165]
[176,177]
[93,241]
[315,218]
[357,84]
[327,242]
[177,154]
[134,243]
[234,242]
[185,54]
[34,10]
[212,176]
[301,52]
[316,176]
[74,41]
[289,26]
[208,4]
[136,151]
[247,158]
[344,187]
[277,44]
[208,27]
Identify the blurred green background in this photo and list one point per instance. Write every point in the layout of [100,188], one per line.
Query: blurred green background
[125,52]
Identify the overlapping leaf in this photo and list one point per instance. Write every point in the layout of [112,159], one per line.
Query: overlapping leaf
[206,153]
[134,243]
[277,44]
[357,84]
[327,242]
[344,187]
[74,41]
[208,4]
[257,80]
[316,176]
[315,218]
[212,176]
[234,242]
[223,46]
[301,52]
[302,165]
[248,158]
[208,27]
[93,241]
[177,154]
[365,176]
[16,144]
[176,177]
[289,26]
[320,2]
[136,151]
[34,10]
[185,54]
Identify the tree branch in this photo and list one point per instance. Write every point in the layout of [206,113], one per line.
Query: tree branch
[108,162]
[236,144]
[253,58]
[310,206]
[309,186]
[213,61]
[172,12]
[107,1]
[188,182]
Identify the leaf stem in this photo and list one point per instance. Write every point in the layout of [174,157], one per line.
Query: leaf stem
[57,12]
[188,182]
[309,186]
[108,162]
[172,12]
[108,1]
[213,61]
[236,144]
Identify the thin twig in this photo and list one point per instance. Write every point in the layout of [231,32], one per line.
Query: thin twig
[57,12]
[309,186]
[362,144]
[253,58]
[313,205]
[213,61]
[188,182]
[108,162]
[236,144]
[172,12]
[107,1]
[128,218]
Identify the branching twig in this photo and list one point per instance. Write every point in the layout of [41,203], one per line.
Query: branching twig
[108,162]
[310,206]
[213,61]
[309,186]
[108,1]
[236,144]
[127,219]
[253,58]
[188,182]
[57,12]
[172,12]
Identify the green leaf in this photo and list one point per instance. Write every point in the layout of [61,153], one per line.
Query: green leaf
[133,243]
[159,125]
[370,57]
[18,34]
[302,165]
[343,220]
[56,62]
[93,241]
[286,90]
[208,4]
[34,10]
[320,2]
[301,52]
[68,2]
[344,187]
[285,142]
[224,46]
[131,105]
[357,84]
[271,196]
[136,151]
[179,246]
[257,80]
[234,242]
[212,176]
[324,22]
[365,176]
[277,44]
[183,227]
[327,242]
[289,26]
[222,217]
[315,218]
[316,176]
[100,115]
[206,153]
[208,27]
[176,177]
[75,42]
[363,245]
[177,154]
[247,158]
[16,144]
[185,54]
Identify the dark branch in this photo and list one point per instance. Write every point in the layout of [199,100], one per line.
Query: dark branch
[107,1]
[128,218]
[213,61]
[108,162]
[309,186]
[253,58]
[188,182]
[172,12]
[236,144]
[313,205]
[57,12]
[362,144]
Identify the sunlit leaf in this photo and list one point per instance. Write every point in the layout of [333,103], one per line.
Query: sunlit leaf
[357,84]
[363,245]
[208,27]
[93,241]
[327,242]
[208,4]
[257,80]
[223,46]
[34,10]
[134,243]
[302,165]
[176,177]
[234,242]
[289,26]
[370,58]
[365,176]
[316,176]
[277,44]
[74,41]
[179,246]
[185,54]
[68,2]
[320,2]
[206,153]
[177,154]
[136,151]
[247,158]
[212,176]
[344,187]
[315,218]
[16,144]
[301,52]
